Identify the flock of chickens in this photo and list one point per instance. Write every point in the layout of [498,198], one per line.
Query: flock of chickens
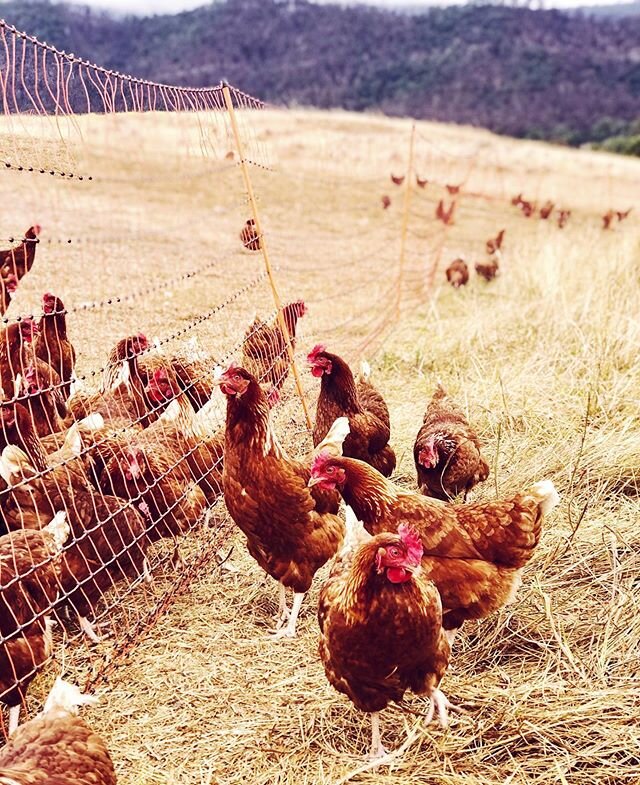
[92,479]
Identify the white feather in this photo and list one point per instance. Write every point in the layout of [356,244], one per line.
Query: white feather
[355,534]
[65,696]
[336,436]
[546,492]
[365,371]
[93,422]
[17,384]
[73,440]
[59,528]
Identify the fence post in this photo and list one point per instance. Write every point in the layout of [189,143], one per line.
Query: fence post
[265,253]
[405,219]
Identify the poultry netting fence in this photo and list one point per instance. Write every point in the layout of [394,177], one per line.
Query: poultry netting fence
[167,238]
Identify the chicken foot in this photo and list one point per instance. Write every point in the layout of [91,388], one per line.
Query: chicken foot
[439,707]
[290,630]
[89,629]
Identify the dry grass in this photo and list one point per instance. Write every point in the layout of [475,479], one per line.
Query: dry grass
[544,359]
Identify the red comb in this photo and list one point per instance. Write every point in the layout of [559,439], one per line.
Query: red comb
[320,461]
[412,542]
[317,349]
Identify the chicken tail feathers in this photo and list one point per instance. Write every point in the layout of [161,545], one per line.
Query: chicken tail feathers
[65,696]
[334,440]
[365,371]
[546,495]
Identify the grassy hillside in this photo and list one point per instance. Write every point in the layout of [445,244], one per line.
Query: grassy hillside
[544,361]
[539,74]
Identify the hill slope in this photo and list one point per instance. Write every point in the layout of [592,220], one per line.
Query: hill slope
[527,73]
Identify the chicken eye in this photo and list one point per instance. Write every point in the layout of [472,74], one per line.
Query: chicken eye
[237,377]
[394,552]
[329,469]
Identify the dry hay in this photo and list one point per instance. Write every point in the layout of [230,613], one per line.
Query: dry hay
[544,360]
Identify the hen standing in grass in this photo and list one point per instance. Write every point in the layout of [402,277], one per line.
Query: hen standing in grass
[57,747]
[52,345]
[362,404]
[381,624]
[264,352]
[458,273]
[19,261]
[447,451]
[474,553]
[291,530]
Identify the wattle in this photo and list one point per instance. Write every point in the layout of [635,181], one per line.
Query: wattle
[317,371]
[398,574]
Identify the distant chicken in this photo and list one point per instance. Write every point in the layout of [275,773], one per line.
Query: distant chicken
[563,217]
[421,183]
[445,215]
[622,215]
[386,202]
[30,570]
[458,273]
[474,553]
[20,260]
[8,287]
[546,210]
[607,219]
[52,345]
[528,208]
[495,243]
[361,403]
[517,200]
[397,179]
[264,351]
[291,530]
[381,625]
[447,451]
[488,270]
[57,747]
[16,341]
[249,236]
[453,189]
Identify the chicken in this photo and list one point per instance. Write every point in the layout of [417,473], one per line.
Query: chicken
[474,553]
[8,287]
[109,540]
[563,217]
[458,273]
[291,530]
[445,215]
[495,243]
[381,626]
[453,189]
[249,236]
[20,260]
[16,341]
[528,208]
[264,351]
[488,270]
[621,215]
[121,399]
[397,179]
[192,368]
[57,747]
[607,219]
[421,183]
[44,399]
[517,200]
[386,202]
[362,404]
[197,434]
[447,451]
[546,209]
[52,345]
[30,569]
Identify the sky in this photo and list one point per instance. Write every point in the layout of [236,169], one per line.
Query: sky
[173,6]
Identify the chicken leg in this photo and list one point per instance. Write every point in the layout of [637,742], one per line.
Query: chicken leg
[377,750]
[89,629]
[283,613]
[290,630]
[439,707]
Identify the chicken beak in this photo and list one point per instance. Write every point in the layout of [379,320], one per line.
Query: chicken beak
[313,481]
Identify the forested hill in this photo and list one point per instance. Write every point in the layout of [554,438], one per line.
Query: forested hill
[518,71]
